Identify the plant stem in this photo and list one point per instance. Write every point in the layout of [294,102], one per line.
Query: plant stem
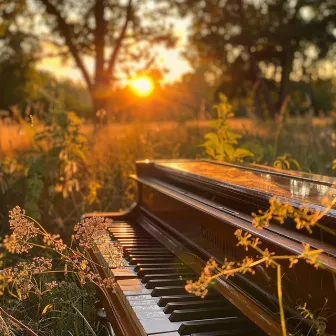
[282,314]
[37,223]
[29,331]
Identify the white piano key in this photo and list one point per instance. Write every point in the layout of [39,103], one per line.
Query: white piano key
[142,298]
[147,308]
[154,324]
[137,292]
[124,273]
[142,302]
[130,284]
[150,314]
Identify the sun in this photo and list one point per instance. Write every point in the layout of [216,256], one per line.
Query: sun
[143,86]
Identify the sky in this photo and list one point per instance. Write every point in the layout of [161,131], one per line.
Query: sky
[172,59]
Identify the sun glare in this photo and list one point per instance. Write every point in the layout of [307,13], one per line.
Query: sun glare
[143,86]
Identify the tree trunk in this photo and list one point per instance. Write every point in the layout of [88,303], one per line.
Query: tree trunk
[100,107]
[101,100]
[286,69]
[258,102]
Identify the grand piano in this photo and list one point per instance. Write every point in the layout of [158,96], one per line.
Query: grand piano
[186,213]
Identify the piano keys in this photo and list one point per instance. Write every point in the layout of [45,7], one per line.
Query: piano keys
[154,295]
[187,212]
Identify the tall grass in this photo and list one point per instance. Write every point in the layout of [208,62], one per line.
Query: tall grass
[60,168]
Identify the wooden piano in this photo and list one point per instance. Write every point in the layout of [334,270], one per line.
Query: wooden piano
[187,212]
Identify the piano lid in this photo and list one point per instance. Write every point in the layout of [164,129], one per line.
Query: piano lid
[262,181]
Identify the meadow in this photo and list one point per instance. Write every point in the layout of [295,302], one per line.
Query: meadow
[92,164]
[60,168]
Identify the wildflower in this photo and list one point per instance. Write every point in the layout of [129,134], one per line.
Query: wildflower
[255,242]
[243,240]
[89,229]
[109,283]
[311,256]
[293,261]
[228,267]
[54,240]
[40,265]
[50,285]
[268,255]
[23,228]
[246,265]
[14,245]
[23,231]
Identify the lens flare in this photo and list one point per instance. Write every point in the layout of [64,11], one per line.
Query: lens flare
[142,86]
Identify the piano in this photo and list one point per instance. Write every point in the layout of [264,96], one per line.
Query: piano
[186,213]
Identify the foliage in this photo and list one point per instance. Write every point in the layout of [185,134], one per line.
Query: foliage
[286,161]
[304,217]
[30,277]
[50,171]
[261,46]
[223,145]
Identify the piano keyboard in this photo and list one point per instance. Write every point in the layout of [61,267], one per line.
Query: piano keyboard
[151,288]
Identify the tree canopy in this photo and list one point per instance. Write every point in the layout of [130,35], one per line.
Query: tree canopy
[266,43]
[119,36]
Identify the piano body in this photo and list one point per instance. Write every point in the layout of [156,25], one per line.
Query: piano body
[186,213]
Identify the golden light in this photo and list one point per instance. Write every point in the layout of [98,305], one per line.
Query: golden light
[142,86]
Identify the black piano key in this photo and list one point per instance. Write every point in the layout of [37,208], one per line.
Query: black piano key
[131,235]
[218,324]
[202,313]
[171,306]
[157,260]
[119,225]
[167,270]
[166,282]
[152,251]
[181,275]
[137,240]
[164,300]
[137,255]
[169,290]
[157,266]
[124,230]
[136,245]
[131,250]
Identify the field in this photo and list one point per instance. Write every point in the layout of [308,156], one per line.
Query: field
[15,138]
[111,152]
[60,169]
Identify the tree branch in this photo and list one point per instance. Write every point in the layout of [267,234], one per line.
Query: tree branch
[65,31]
[120,39]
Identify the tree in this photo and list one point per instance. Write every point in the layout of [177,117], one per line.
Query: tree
[264,42]
[118,35]
[16,58]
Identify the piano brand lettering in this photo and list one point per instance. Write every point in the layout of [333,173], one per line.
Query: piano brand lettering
[218,241]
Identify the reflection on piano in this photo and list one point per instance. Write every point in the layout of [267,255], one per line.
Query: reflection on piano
[187,212]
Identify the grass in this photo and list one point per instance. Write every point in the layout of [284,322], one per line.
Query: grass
[112,151]
[15,138]
[103,169]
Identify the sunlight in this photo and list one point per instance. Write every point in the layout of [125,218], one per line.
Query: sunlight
[143,86]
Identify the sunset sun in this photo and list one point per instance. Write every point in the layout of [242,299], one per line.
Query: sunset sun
[143,86]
